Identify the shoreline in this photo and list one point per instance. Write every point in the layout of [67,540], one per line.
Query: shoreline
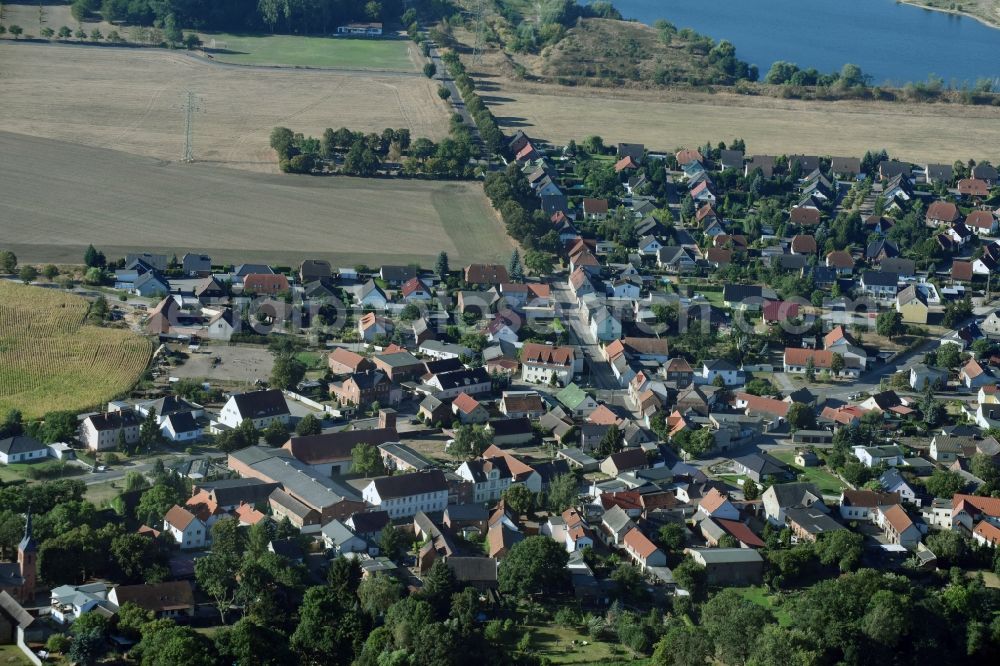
[954,12]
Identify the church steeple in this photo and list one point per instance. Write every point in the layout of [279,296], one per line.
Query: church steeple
[28,544]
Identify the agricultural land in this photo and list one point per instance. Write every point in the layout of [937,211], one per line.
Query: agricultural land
[130,100]
[52,360]
[667,119]
[54,202]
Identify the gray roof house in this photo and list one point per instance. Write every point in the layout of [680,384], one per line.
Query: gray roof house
[781,497]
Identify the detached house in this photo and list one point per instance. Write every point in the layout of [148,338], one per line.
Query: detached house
[489,477]
[186,528]
[260,407]
[101,432]
[912,305]
[942,214]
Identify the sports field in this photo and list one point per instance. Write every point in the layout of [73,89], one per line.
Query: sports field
[57,197]
[131,100]
[385,54]
[664,120]
[53,361]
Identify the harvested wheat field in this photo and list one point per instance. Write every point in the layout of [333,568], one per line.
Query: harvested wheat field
[665,120]
[57,197]
[50,360]
[131,100]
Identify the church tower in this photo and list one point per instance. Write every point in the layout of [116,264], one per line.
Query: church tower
[27,559]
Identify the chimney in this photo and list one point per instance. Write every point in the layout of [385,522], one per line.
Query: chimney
[387,418]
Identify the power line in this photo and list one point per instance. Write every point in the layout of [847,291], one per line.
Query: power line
[189,106]
[480,44]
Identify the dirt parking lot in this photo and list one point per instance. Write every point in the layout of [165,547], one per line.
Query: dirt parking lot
[240,364]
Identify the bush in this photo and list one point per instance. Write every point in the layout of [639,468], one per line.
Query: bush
[443,92]
[567,617]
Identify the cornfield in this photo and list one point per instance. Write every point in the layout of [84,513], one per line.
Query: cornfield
[50,359]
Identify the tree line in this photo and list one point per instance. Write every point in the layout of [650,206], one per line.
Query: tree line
[290,16]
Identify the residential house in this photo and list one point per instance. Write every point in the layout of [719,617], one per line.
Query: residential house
[489,477]
[517,404]
[342,361]
[780,497]
[879,285]
[973,188]
[168,600]
[187,529]
[860,505]
[721,368]
[923,375]
[102,432]
[594,209]
[810,523]
[469,410]
[760,467]
[576,400]
[371,326]
[449,384]
[716,504]
[399,366]
[974,375]
[370,296]
[982,222]
[362,389]
[841,261]
[199,265]
[796,360]
[986,172]
[876,456]
[543,364]
[624,461]
[22,449]
[939,173]
[912,305]
[804,216]
[897,526]
[341,540]
[264,283]
[946,448]
[262,408]
[312,270]
[403,495]
[676,259]
[414,290]
[642,550]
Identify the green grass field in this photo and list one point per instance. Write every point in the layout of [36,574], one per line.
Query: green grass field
[824,480]
[377,54]
[562,645]
[762,597]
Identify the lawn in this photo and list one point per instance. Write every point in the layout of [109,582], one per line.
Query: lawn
[557,645]
[762,597]
[11,654]
[826,481]
[379,54]
[312,360]
[100,494]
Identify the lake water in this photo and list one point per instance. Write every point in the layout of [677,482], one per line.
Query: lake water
[891,42]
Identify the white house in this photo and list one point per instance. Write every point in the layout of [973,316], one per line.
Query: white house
[731,375]
[489,478]
[260,407]
[181,428]
[22,449]
[339,538]
[603,325]
[186,528]
[404,495]
[69,602]
[873,456]
[643,551]
[541,363]
[100,432]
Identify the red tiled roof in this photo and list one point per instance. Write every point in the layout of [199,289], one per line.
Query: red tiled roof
[756,403]
[973,187]
[704,212]
[802,244]
[603,416]
[625,163]
[986,505]
[898,518]
[741,532]
[179,517]
[988,531]
[412,285]
[713,500]
[981,219]
[961,270]
[541,354]
[804,216]
[465,403]
[639,543]
[943,211]
[591,205]
[688,155]
[840,259]
[719,255]
[780,310]
[265,282]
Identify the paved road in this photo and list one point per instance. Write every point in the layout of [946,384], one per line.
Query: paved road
[119,471]
[599,371]
[457,101]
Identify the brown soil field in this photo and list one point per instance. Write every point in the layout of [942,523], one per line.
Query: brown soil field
[131,100]
[664,120]
[57,197]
